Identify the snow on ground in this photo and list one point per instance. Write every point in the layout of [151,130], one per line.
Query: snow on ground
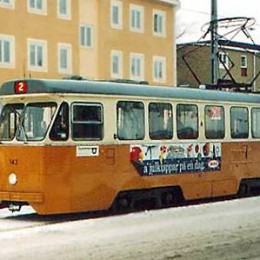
[222,230]
[7,219]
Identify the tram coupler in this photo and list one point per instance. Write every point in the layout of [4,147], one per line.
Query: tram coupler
[14,207]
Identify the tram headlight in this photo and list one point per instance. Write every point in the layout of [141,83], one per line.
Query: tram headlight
[12,179]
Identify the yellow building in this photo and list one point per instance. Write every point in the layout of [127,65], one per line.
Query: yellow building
[38,39]
[97,39]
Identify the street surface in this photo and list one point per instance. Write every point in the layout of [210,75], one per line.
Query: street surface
[221,230]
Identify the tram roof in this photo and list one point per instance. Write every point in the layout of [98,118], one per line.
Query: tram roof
[113,88]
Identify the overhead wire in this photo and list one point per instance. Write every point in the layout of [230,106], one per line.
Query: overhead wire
[208,14]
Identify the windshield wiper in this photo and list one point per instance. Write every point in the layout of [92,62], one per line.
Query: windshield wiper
[20,131]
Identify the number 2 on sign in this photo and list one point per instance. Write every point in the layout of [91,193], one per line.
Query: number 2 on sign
[21,87]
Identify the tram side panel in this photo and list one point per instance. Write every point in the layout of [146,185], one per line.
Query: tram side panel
[63,179]
[90,178]
[56,180]
[226,182]
[80,178]
[239,161]
[244,162]
[251,151]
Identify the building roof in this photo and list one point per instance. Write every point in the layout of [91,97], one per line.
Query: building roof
[172,2]
[227,43]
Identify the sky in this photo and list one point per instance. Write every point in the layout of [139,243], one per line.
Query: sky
[193,14]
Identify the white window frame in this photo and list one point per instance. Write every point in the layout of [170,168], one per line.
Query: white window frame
[138,10]
[159,69]
[9,5]
[67,48]
[243,64]
[67,14]
[225,56]
[11,41]
[88,29]
[35,9]
[119,56]
[42,44]
[136,66]
[161,15]
[119,5]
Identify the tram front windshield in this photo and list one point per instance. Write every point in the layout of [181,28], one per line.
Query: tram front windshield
[26,122]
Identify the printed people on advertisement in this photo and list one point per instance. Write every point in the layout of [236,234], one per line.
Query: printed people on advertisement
[197,151]
[206,149]
[163,153]
[190,151]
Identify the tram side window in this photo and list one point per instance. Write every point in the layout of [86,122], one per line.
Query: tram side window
[239,122]
[60,128]
[256,122]
[160,121]
[9,121]
[130,120]
[87,121]
[187,121]
[214,122]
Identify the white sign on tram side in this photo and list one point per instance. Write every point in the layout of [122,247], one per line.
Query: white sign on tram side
[84,151]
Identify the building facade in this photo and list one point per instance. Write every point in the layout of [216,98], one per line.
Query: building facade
[96,39]
[38,39]
[132,39]
[237,61]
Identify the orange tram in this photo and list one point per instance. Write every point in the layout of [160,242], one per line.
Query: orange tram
[76,146]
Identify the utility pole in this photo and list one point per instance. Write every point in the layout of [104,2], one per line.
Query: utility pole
[214,42]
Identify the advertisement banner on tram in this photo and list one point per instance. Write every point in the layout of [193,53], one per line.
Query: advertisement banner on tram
[176,158]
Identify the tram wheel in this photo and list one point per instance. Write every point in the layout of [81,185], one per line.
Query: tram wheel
[243,190]
[121,204]
[168,199]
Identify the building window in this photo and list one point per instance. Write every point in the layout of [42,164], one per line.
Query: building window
[7,3]
[223,60]
[160,121]
[7,51]
[64,9]
[136,66]
[214,122]
[187,121]
[37,6]
[243,65]
[239,122]
[116,14]
[243,61]
[64,58]
[116,64]
[159,23]
[130,120]
[159,69]
[136,18]
[37,53]
[86,36]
